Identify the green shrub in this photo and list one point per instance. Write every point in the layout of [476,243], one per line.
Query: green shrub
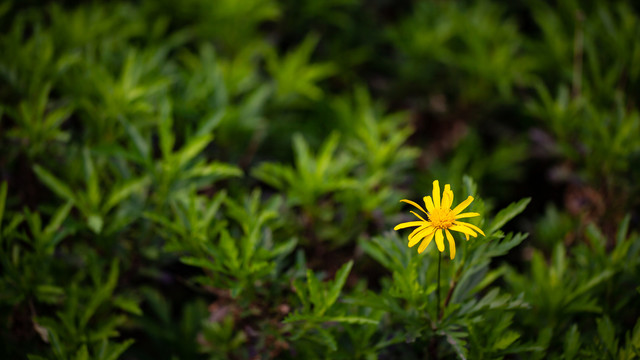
[218,179]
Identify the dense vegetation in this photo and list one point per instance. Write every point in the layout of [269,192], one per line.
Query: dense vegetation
[221,179]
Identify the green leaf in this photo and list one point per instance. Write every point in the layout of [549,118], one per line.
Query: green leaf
[285,248]
[607,335]
[338,283]
[217,170]
[350,320]
[457,343]
[138,141]
[128,305]
[165,133]
[54,184]
[124,190]
[102,294]
[91,177]
[596,238]
[507,214]
[572,343]
[231,256]
[303,158]
[210,123]
[623,228]
[35,357]
[506,340]
[313,318]
[57,219]
[324,337]
[315,291]
[95,223]
[114,352]
[298,286]
[49,293]
[590,284]
[199,262]
[372,249]
[325,155]
[82,354]
[58,349]
[192,149]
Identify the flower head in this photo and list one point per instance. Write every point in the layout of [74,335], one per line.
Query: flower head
[441,219]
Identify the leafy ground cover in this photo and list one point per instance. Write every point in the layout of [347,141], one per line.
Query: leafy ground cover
[221,179]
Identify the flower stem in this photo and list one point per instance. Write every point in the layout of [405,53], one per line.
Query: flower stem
[438,288]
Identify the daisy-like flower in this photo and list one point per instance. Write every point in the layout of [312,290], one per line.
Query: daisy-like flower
[441,219]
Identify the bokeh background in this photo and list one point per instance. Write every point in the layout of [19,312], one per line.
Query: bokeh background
[174,175]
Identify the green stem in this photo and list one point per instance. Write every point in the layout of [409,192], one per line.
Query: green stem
[438,288]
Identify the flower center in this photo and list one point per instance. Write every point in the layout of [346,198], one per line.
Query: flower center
[441,218]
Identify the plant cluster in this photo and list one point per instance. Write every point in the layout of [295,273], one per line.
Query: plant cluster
[221,179]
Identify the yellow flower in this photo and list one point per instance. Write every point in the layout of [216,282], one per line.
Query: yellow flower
[441,220]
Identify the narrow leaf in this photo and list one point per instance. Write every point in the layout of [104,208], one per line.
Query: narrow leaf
[54,184]
[338,283]
[507,214]
[122,191]
[57,219]
[102,294]
[91,177]
[327,339]
[114,352]
[192,149]
[315,290]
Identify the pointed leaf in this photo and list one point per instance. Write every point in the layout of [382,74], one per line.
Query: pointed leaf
[124,190]
[57,219]
[572,343]
[192,149]
[91,178]
[139,142]
[507,214]
[114,352]
[102,294]
[327,339]
[338,283]
[315,290]
[57,186]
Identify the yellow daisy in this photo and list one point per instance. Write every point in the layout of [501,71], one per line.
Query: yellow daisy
[441,220]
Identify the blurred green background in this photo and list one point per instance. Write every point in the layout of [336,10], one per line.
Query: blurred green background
[183,180]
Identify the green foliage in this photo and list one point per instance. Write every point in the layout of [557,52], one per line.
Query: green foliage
[478,42]
[294,77]
[218,179]
[474,320]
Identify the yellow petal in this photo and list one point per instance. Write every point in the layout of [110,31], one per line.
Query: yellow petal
[420,217]
[416,231]
[408,224]
[452,244]
[467,215]
[425,242]
[439,242]
[416,239]
[473,227]
[447,197]
[414,204]
[405,225]
[436,194]
[429,203]
[463,229]
[463,205]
